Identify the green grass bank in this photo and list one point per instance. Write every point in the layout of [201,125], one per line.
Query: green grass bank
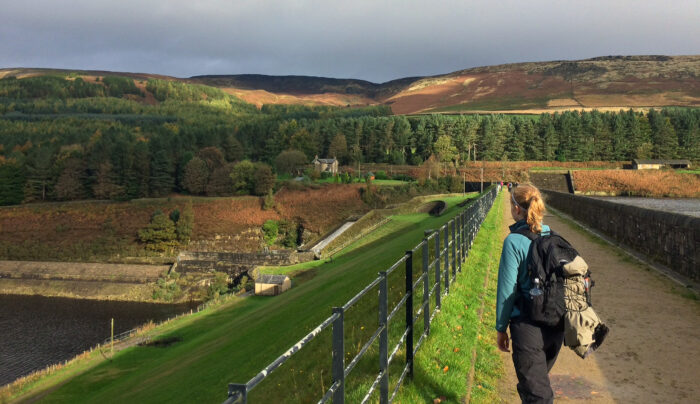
[459,362]
[234,342]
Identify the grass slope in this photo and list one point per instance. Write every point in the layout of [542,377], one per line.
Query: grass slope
[234,343]
[462,338]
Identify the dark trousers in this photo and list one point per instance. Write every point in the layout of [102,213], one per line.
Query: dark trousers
[535,350]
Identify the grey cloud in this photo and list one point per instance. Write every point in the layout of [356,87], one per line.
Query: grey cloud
[373,40]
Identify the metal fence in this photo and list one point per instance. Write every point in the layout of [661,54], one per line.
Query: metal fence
[446,260]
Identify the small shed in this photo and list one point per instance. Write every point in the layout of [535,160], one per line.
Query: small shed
[326,165]
[639,164]
[272,285]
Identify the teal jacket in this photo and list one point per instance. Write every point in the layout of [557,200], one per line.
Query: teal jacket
[513,279]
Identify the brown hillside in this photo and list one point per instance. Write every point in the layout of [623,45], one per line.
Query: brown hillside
[108,231]
[606,83]
[644,81]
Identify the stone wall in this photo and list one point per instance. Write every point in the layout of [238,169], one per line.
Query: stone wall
[236,263]
[552,181]
[668,238]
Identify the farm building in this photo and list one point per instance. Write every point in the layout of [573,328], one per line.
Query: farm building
[272,285]
[326,165]
[638,164]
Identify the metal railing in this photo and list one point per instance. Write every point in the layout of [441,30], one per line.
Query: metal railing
[457,237]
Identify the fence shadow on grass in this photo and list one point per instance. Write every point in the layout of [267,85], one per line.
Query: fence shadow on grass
[378,354]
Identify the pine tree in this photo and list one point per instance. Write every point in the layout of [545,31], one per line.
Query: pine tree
[185,225]
[70,184]
[39,173]
[159,234]
[11,183]
[665,139]
[338,147]
[161,180]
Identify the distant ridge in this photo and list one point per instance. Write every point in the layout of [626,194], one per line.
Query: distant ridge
[605,82]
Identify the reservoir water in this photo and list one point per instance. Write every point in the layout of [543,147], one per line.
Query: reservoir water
[37,331]
[686,206]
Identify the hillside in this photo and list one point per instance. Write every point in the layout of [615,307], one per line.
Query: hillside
[606,83]
[615,81]
[610,82]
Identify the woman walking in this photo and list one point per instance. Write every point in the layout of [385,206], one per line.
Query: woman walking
[535,347]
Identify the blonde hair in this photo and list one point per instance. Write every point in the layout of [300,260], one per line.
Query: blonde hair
[528,197]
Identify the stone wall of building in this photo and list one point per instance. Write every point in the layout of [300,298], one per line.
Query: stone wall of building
[667,238]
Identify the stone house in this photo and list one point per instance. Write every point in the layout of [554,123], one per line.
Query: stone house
[272,285]
[326,165]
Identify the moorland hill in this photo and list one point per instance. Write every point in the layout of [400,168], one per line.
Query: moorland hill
[605,83]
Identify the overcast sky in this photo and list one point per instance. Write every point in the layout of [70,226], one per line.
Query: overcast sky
[374,40]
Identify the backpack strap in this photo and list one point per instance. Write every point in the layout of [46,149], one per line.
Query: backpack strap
[525,231]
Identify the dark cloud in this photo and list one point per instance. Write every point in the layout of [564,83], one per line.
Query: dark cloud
[367,39]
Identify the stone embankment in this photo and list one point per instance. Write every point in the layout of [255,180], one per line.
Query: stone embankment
[236,264]
[80,280]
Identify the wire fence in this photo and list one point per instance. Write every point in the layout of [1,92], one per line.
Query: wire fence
[439,256]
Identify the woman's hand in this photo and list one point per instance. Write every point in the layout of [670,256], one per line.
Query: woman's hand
[503,341]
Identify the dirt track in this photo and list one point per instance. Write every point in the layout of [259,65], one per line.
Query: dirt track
[652,354]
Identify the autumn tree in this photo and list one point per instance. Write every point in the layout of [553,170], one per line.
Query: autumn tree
[220,182]
[212,156]
[291,162]
[196,176]
[263,179]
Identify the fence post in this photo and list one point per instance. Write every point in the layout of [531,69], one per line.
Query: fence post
[241,389]
[338,357]
[383,339]
[464,234]
[437,269]
[409,313]
[472,218]
[454,250]
[446,242]
[426,286]
[460,247]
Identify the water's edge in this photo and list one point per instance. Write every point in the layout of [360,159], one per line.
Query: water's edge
[38,331]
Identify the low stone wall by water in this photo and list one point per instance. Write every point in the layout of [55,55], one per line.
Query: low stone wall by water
[668,238]
[236,263]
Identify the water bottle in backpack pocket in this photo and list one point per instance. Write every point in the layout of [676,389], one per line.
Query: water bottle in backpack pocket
[545,304]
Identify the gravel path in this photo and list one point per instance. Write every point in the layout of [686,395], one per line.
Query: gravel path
[652,354]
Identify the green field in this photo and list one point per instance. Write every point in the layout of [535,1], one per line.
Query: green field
[235,342]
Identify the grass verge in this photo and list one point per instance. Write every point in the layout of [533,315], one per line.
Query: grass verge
[462,341]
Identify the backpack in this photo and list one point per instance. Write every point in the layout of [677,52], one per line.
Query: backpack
[547,254]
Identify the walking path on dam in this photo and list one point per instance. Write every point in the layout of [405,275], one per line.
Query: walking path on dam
[651,354]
